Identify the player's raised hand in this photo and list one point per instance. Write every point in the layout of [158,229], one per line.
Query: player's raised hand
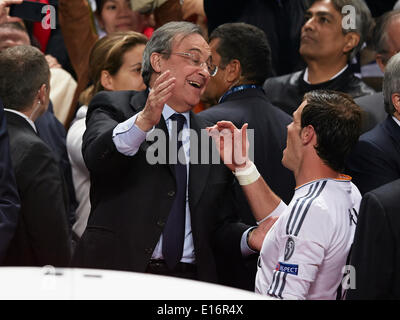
[4,17]
[232,143]
[158,96]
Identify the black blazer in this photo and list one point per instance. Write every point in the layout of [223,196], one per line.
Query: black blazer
[51,131]
[9,198]
[42,235]
[131,199]
[375,254]
[375,160]
[286,92]
[373,110]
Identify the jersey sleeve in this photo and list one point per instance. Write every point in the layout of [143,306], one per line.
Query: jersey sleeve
[302,243]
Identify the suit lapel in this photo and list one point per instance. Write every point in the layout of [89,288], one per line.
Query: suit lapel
[198,173]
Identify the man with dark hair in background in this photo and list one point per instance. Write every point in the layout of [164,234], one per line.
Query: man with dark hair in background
[330,38]
[42,236]
[48,126]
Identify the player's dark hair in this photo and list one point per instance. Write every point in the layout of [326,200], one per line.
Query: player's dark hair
[336,119]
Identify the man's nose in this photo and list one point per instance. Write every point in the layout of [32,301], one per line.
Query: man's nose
[309,24]
[204,69]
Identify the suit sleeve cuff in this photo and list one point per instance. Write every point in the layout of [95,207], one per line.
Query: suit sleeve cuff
[128,137]
[244,247]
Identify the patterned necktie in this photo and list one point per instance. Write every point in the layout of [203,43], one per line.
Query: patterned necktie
[174,230]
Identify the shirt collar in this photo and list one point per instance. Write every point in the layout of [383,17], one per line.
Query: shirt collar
[305,77]
[168,112]
[23,116]
[396,120]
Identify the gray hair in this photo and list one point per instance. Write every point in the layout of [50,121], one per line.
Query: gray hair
[364,21]
[380,37]
[391,82]
[161,42]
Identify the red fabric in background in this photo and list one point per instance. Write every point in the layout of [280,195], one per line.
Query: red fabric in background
[148,32]
[41,35]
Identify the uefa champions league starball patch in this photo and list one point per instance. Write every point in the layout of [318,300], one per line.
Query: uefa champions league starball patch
[289,248]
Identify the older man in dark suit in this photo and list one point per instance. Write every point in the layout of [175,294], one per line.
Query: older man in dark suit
[238,88]
[375,254]
[42,235]
[386,41]
[375,160]
[9,198]
[149,212]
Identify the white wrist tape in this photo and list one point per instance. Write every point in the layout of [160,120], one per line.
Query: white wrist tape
[248,175]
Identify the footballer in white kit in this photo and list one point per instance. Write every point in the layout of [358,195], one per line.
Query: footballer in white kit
[303,255]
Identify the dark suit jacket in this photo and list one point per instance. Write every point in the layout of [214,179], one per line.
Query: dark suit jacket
[51,131]
[42,236]
[9,198]
[375,253]
[131,199]
[269,125]
[374,110]
[286,92]
[375,160]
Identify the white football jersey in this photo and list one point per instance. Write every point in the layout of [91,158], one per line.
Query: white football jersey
[304,253]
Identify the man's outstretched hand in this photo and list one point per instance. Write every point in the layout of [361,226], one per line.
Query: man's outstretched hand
[232,143]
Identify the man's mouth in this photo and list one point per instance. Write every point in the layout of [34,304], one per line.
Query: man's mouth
[195,84]
[306,38]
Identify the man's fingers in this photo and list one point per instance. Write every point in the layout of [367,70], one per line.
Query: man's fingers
[226,125]
[163,76]
[164,86]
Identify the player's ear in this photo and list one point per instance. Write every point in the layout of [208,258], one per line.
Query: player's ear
[308,134]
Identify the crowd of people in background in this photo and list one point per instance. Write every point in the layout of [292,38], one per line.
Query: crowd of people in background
[315,189]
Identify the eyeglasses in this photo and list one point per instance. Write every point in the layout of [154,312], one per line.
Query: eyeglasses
[194,58]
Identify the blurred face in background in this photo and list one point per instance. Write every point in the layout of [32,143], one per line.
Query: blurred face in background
[11,37]
[128,76]
[117,15]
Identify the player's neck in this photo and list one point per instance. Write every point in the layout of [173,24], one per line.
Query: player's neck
[314,171]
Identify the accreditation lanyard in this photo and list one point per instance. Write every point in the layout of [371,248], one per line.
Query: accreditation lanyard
[237,89]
